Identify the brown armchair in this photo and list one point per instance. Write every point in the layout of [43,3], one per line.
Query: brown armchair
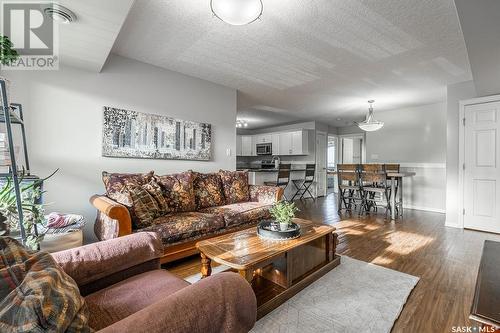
[127,291]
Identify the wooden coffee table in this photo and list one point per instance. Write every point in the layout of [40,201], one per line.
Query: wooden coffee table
[277,270]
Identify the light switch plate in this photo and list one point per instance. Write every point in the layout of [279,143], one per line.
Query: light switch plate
[228,152]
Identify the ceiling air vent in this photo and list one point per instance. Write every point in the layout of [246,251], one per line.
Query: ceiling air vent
[59,13]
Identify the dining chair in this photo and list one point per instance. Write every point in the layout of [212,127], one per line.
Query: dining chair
[374,187]
[350,194]
[398,186]
[283,178]
[303,185]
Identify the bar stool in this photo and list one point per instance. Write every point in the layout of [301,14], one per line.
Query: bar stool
[303,185]
[349,189]
[374,187]
[398,186]
[283,178]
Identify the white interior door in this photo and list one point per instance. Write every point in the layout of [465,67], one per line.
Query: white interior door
[321,163]
[482,172]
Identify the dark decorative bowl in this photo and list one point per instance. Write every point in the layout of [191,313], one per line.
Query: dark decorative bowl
[270,229]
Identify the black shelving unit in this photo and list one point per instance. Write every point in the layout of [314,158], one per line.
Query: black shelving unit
[9,116]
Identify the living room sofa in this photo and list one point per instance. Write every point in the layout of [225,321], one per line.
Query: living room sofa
[115,286]
[181,208]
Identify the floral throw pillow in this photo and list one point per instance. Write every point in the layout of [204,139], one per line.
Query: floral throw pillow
[178,191]
[116,184]
[235,185]
[208,190]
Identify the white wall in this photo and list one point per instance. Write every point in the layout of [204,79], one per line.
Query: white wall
[456,92]
[410,135]
[64,113]
[416,138]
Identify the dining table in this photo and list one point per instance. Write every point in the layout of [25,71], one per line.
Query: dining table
[395,177]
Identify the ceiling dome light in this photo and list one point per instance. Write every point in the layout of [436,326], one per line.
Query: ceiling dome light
[59,13]
[237,12]
[370,124]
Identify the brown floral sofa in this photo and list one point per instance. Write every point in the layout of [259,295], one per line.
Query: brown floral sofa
[181,208]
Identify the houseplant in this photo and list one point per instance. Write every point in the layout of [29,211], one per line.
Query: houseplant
[283,212]
[7,53]
[33,209]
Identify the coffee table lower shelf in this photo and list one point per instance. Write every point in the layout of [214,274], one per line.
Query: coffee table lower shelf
[270,295]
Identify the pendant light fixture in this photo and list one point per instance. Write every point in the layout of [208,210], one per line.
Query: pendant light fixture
[237,12]
[370,124]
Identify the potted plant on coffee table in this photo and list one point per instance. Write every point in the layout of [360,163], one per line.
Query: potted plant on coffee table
[283,212]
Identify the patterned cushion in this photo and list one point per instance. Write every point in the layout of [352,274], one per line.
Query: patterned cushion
[264,194]
[178,191]
[207,190]
[180,226]
[156,192]
[116,183]
[241,213]
[36,295]
[145,206]
[235,185]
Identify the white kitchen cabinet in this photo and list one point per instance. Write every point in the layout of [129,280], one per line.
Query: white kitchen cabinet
[263,138]
[285,147]
[300,142]
[238,145]
[246,145]
[254,145]
[294,143]
[284,143]
[275,140]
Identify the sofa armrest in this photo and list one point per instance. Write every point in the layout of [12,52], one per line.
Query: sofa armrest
[89,263]
[223,302]
[265,194]
[113,219]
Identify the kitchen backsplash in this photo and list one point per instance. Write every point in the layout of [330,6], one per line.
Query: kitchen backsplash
[252,162]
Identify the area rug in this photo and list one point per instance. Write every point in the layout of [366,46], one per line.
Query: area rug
[354,297]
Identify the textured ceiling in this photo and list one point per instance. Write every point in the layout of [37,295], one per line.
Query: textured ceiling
[315,59]
[87,42]
[479,20]
[262,116]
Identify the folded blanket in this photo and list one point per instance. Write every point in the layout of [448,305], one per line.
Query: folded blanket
[58,220]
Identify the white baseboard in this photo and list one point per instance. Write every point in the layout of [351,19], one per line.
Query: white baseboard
[452,225]
[427,209]
[424,165]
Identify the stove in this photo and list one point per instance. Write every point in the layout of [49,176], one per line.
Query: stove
[267,164]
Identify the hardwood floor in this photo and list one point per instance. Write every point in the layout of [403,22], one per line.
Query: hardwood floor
[445,259]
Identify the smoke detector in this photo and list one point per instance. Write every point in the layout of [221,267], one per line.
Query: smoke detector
[59,13]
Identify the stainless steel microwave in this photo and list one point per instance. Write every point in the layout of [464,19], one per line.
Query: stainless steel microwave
[264,149]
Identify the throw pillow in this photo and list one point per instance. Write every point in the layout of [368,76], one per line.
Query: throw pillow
[156,192]
[146,207]
[207,190]
[116,183]
[36,294]
[235,185]
[116,188]
[178,191]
